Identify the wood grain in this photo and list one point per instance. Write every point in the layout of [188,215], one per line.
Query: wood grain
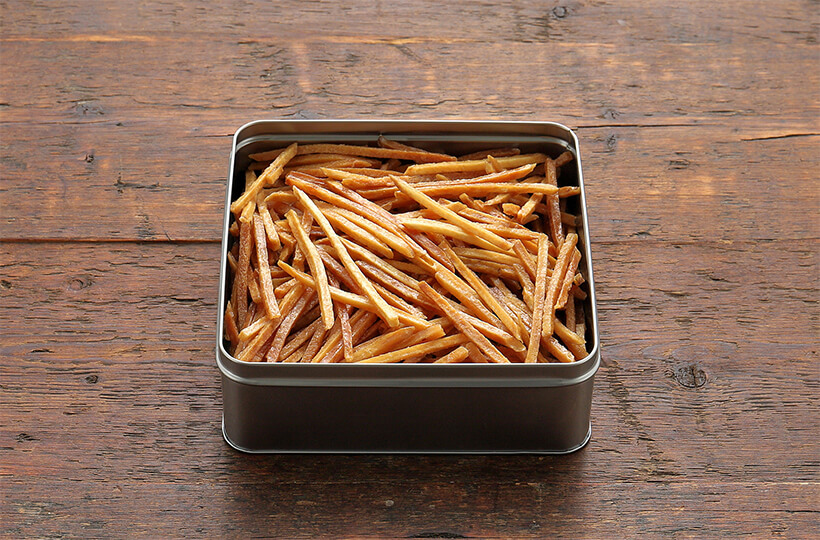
[699,129]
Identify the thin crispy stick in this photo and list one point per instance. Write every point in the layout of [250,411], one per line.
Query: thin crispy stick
[383,343]
[360,324]
[464,326]
[231,331]
[486,255]
[343,311]
[559,351]
[300,338]
[417,350]
[486,189]
[569,277]
[268,177]
[315,343]
[355,300]
[456,356]
[317,267]
[483,292]
[270,228]
[555,282]
[553,208]
[495,152]
[253,287]
[338,270]
[361,151]
[449,229]
[240,284]
[377,274]
[569,311]
[539,297]
[474,165]
[283,331]
[398,302]
[526,258]
[384,235]
[387,313]
[248,354]
[265,283]
[449,215]
[355,232]
[381,347]
[387,143]
[364,254]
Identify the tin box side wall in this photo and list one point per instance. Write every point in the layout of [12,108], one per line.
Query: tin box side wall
[387,419]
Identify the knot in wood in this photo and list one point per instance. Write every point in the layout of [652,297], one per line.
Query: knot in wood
[690,376]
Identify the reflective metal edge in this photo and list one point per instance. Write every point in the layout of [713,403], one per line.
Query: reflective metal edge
[392,375]
[406,452]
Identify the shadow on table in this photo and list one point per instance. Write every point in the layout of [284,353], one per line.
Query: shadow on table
[445,496]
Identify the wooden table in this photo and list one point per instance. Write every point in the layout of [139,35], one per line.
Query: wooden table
[699,130]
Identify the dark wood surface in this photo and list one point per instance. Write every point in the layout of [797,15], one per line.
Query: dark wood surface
[699,133]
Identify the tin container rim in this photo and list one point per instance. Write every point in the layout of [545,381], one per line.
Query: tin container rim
[339,374]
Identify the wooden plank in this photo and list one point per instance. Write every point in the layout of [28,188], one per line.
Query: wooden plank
[159,181]
[693,381]
[667,83]
[451,498]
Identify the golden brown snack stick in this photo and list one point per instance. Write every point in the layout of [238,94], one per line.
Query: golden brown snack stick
[355,300]
[486,189]
[387,313]
[486,255]
[569,311]
[383,343]
[457,355]
[559,351]
[495,152]
[240,284]
[538,302]
[464,326]
[267,219]
[421,349]
[395,145]
[474,165]
[482,291]
[553,208]
[364,254]
[265,283]
[317,267]
[315,343]
[347,333]
[231,331]
[360,324]
[555,282]
[300,338]
[362,151]
[355,232]
[449,215]
[569,277]
[285,326]
[268,177]
[450,230]
[384,235]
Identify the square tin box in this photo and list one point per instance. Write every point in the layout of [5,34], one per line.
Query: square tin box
[409,408]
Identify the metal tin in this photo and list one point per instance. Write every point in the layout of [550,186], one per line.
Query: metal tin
[408,408]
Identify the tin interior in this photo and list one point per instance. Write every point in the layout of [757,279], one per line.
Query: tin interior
[453,137]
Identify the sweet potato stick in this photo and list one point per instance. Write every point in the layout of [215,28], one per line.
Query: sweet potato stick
[364,254]
[553,208]
[555,282]
[231,331]
[448,229]
[559,351]
[496,152]
[474,165]
[270,228]
[338,270]
[265,283]
[315,343]
[355,232]
[387,143]
[347,333]
[456,356]
[463,325]
[360,323]
[483,292]
[283,331]
[383,343]
[364,151]
[538,300]
[248,354]
[486,189]
[569,311]
[449,215]
[268,177]
[240,284]
[300,338]
[569,276]
[526,258]
[317,267]
[355,300]
[418,350]
[486,255]
[379,232]
[387,313]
